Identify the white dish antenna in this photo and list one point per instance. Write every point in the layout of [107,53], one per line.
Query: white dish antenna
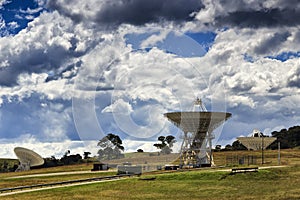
[198,127]
[27,158]
[256,141]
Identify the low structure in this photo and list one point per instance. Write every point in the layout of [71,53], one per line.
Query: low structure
[129,169]
[100,166]
[171,167]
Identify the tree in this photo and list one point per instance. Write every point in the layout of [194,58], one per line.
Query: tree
[218,147]
[288,138]
[67,153]
[140,150]
[228,147]
[170,140]
[236,145]
[166,144]
[71,159]
[161,145]
[51,162]
[86,155]
[110,147]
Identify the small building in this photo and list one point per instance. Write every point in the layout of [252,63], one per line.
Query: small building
[171,167]
[129,169]
[100,166]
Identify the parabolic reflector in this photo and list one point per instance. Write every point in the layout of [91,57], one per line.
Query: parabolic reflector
[256,143]
[27,158]
[197,121]
[256,140]
[197,127]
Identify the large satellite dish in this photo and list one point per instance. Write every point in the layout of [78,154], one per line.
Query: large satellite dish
[27,158]
[198,127]
[256,141]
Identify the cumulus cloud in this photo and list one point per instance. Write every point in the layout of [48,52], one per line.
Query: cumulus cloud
[71,53]
[119,107]
[3,27]
[145,84]
[154,39]
[46,149]
[272,43]
[249,13]
[49,44]
[294,77]
[128,12]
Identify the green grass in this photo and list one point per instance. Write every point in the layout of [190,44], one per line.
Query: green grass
[280,183]
[14,179]
[288,156]
[23,181]
[277,183]
[67,168]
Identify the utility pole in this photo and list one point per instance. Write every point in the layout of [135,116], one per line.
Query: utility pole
[262,150]
[279,160]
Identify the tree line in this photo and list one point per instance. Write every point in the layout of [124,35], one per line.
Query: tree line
[288,138]
[66,159]
[10,165]
[111,146]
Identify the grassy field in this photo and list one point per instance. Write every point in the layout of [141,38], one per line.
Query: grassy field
[23,181]
[222,158]
[288,157]
[14,179]
[278,183]
[274,183]
[67,168]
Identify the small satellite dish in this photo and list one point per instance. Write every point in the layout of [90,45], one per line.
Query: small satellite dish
[27,158]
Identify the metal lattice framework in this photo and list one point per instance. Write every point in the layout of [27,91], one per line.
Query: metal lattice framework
[197,141]
[27,158]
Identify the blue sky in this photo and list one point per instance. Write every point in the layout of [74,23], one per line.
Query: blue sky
[17,14]
[71,73]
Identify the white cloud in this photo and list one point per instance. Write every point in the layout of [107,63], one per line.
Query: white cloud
[223,71]
[13,25]
[155,38]
[33,11]
[46,149]
[147,146]
[55,123]
[206,15]
[59,59]
[119,107]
